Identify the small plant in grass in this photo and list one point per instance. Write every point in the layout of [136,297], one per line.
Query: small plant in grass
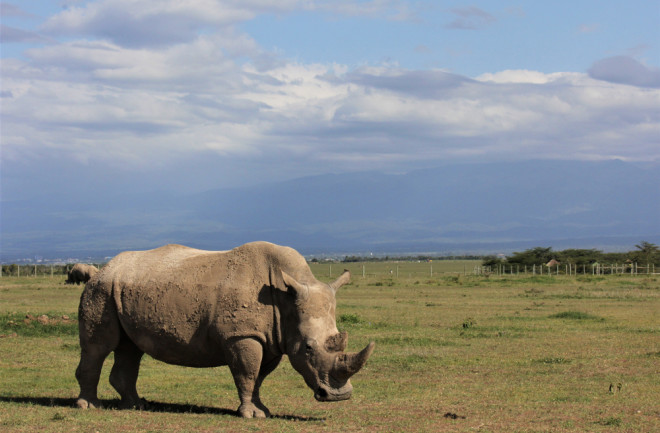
[552,360]
[468,323]
[610,421]
[350,319]
[576,315]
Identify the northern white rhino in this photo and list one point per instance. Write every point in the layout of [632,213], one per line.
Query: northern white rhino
[244,308]
[81,273]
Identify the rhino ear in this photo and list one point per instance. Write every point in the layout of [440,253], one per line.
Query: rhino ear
[298,289]
[344,278]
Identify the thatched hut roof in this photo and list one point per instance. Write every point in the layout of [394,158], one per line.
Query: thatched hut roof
[552,262]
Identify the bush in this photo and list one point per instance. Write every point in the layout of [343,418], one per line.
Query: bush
[576,315]
[349,319]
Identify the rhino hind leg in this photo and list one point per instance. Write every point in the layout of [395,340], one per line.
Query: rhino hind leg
[245,357]
[99,335]
[88,373]
[124,373]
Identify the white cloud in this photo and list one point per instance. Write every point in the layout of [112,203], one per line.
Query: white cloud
[470,18]
[521,76]
[144,23]
[100,101]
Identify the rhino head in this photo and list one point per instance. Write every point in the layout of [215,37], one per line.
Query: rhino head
[316,349]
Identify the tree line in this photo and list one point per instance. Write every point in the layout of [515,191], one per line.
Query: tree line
[646,253]
[417,258]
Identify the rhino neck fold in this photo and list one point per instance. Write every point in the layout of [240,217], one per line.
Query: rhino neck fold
[278,338]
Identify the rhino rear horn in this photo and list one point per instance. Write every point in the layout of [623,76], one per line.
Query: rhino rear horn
[347,364]
[344,278]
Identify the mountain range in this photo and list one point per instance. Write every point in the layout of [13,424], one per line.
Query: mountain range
[454,209]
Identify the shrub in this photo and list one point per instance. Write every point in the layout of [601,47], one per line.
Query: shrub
[350,319]
[575,315]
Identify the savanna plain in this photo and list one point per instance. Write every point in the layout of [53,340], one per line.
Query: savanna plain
[455,352]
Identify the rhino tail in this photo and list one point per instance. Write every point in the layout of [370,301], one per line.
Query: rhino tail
[116,295]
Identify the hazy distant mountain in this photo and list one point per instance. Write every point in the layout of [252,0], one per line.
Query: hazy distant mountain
[458,208]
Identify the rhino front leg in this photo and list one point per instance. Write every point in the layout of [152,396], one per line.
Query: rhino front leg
[244,359]
[267,366]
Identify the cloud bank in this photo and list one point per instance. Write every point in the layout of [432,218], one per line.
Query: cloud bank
[138,85]
[626,70]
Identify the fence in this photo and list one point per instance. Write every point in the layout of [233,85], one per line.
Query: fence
[35,270]
[569,269]
[394,269]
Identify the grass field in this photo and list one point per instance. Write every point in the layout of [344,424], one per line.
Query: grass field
[454,352]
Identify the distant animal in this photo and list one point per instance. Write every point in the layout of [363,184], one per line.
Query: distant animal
[81,273]
[245,308]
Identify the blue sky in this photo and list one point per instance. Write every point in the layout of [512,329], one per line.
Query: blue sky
[114,94]
[470,38]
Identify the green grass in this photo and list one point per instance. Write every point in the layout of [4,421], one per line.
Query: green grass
[498,354]
[49,324]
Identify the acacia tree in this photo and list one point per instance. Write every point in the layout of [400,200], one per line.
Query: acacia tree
[646,253]
[581,257]
[533,256]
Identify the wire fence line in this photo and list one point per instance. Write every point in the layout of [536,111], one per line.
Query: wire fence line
[568,269]
[395,269]
[470,267]
[36,270]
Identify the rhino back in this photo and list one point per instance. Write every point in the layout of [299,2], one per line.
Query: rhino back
[180,304]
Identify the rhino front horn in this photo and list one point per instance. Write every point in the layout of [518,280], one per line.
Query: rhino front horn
[347,364]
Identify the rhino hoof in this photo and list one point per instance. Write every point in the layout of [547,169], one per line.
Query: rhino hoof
[86,404]
[138,404]
[252,411]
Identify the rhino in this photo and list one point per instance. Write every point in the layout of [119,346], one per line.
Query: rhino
[81,273]
[245,308]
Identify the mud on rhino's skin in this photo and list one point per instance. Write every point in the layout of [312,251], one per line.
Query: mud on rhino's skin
[244,308]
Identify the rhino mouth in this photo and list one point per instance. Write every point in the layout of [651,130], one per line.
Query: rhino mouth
[324,393]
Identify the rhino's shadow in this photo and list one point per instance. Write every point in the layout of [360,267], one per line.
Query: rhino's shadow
[152,406]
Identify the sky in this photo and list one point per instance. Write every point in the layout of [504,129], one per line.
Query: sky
[124,95]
